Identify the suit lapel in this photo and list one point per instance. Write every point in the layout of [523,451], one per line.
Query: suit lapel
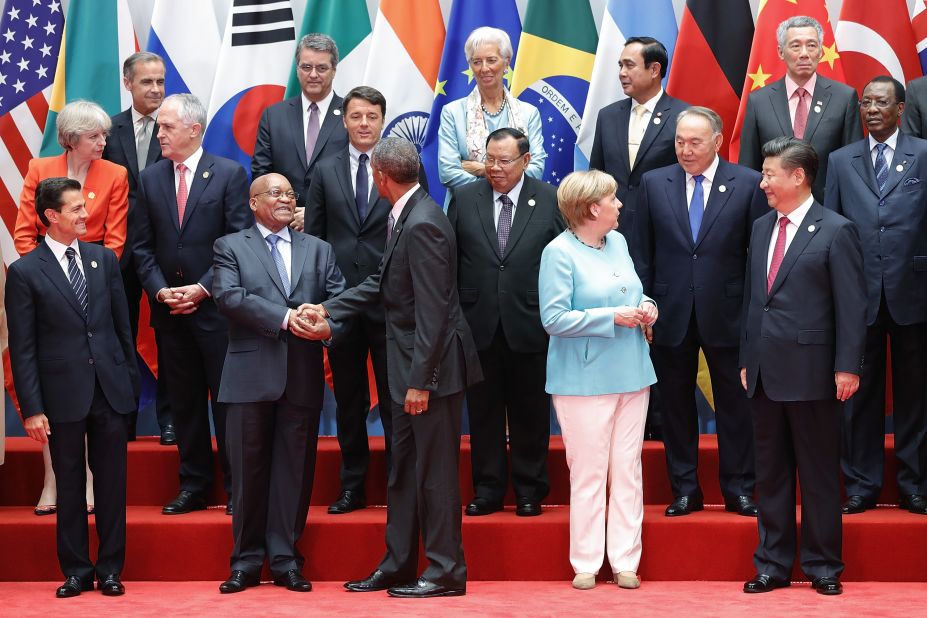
[154,147]
[716,199]
[485,209]
[93,275]
[780,104]
[331,120]
[52,269]
[344,180]
[760,252]
[523,213]
[125,133]
[904,158]
[676,198]
[295,114]
[397,231]
[261,249]
[862,163]
[624,117]
[201,179]
[170,194]
[658,120]
[299,248]
[820,101]
[797,246]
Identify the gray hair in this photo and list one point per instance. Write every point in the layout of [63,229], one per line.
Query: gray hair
[319,42]
[398,158]
[189,108]
[485,35]
[717,125]
[128,67]
[798,21]
[79,117]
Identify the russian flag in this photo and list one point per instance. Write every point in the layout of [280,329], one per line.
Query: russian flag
[186,35]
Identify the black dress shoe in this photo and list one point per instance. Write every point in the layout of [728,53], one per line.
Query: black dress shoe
[228,507]
[293,580]
[856,504]
[378,580]
[424,589]
[684,505]
[914,503]
[348,501]
[742,505]
[527,508]
[482,506]
[110,585]
[827,585]
[238,581]
[168,436]
[72,587]
[765,583]
[185,502]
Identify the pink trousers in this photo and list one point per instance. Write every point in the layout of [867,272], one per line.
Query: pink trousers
[603,436]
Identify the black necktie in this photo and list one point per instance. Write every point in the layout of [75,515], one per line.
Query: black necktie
[361,191]
[77,279]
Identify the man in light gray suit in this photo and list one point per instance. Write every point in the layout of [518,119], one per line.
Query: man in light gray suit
[272,380]
[802,104]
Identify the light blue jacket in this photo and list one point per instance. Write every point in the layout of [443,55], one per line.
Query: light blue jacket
[452,142]
[579,290]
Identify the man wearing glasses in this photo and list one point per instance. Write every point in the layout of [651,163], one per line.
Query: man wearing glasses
[297,132]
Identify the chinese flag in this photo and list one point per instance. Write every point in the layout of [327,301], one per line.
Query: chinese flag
[710,60]
[765,67]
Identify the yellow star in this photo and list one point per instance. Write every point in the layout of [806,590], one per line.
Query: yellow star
[830,54]
[439,88]
[469,74]
[759,78]
[507,76]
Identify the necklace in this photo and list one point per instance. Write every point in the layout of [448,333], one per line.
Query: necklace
[598,247]
[493,114]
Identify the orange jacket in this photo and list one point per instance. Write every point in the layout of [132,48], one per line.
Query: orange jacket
[106,191]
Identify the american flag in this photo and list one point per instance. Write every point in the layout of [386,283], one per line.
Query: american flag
[30,36]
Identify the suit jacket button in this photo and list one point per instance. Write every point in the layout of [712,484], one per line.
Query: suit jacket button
[501,266]
[90,361]
[882,229]
[180,245]
[691,288]
[89,334]
[694,256]
[766,308]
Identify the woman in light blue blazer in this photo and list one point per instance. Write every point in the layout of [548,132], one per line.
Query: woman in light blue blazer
[467,122]
[599,374]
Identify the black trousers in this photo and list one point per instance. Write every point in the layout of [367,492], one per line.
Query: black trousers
[863,456]
[348,361]
[424,494]
[677,371]
[106,434]
[271,450]
[803,435]
[513,389]
[193,360]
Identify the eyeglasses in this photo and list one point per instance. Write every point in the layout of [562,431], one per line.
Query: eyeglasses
[321,69]
[276,193]
[879,103]
[492,162]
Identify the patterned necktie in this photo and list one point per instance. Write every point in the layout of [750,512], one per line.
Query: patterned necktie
[77,279]
[505,223]
[312,131]
[143,141]
[697,206]
[636,132]
[801,114]
[390,224]
[272,240]
[881,166]
[181,192]
[778,254]
[362,189]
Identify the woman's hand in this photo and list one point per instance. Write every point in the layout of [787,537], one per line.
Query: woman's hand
[649,313]
[476,168]
[629,317]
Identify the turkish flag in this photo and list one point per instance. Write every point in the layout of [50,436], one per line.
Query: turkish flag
[710,60]
[876,42]
[765,67]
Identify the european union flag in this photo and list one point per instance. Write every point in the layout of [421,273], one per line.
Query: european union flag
[455,80]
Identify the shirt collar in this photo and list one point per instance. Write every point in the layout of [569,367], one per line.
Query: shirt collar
[891,142]
[401,202]
[137,115]
[791,86]
[355,153]
[651,104]
[193,160]
[323,105]
[513,193]
[58,249]
[283,234]
[798,215]
[709,172]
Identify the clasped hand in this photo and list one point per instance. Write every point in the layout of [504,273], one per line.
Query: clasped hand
[308,321]
[644,314]
[182,300]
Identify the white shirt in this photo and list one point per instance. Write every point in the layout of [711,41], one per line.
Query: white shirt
[355,163]
[58,250]
[513,195]
[649,106]
[285,249]
[191,162]
[707,182]
[891,142]
[791,87]
[401,203]
[323,106]
[795,219]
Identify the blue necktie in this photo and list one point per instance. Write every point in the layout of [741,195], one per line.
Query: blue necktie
[696,207]
[881,167]
[278,261]
[362,190]
[77,279]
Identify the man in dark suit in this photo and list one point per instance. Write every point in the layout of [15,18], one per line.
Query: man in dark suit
[801,351]
[636,134]
[72,356]
[804,104]
[692,233]
[431,361]
[184,203]
[502,224]
[297,132]
[880,183]
[345,209]
[132,144]
[272,381]
[914,120]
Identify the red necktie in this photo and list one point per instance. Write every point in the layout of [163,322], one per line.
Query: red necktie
[801,114]
[181,192]
[778,254]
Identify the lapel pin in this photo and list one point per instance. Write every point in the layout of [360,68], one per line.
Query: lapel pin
[531,202]
[657,120]
[205,174]
[91,195]
[336,112]
[900,168]
[93,263]
[722,189]
[811,228]
[817,109]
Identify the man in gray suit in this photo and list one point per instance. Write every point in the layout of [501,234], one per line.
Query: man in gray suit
[802,104]
[272,381]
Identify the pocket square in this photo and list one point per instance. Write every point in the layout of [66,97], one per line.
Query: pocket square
[911,181]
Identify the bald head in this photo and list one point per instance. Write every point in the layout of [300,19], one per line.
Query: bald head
[273,201]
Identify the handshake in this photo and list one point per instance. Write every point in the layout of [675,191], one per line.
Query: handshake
[308,321]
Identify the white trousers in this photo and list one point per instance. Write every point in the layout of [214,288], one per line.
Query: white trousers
[603,436]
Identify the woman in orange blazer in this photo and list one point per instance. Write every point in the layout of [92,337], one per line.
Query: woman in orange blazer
[82,130]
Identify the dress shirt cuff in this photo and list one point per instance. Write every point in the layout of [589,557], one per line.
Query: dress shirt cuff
[208,295]
[286,320]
